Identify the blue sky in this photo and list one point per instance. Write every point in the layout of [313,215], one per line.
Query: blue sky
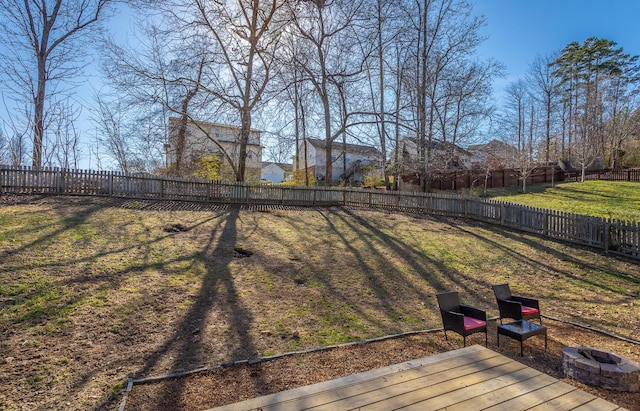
[518,30]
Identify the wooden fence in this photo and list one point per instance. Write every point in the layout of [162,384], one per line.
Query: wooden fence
[609,175]
[617,237]
[457,180]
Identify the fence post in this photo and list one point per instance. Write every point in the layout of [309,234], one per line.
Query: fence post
[57,180]
[502,212]
[63,182]
[607,230]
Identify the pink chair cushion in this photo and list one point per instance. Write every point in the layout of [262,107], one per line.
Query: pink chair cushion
[529,310]
[471,323]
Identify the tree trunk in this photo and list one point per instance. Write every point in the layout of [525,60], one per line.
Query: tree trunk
[38,112]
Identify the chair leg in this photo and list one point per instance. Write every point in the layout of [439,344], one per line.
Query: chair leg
[464,340]
[485,339]
[445,336]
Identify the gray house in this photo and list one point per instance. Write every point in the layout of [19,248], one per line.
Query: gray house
[349,162]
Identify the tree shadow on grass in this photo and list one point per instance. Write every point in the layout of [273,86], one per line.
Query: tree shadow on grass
[217,294]
[433,270]
[528,239]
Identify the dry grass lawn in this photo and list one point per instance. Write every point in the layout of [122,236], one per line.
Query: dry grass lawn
[95,291]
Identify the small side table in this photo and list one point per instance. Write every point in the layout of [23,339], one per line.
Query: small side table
[521,330]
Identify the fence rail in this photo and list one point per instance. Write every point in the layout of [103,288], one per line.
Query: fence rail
[613,236]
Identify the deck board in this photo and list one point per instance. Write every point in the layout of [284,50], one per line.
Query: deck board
[534,397]
[512,390]
[471,378]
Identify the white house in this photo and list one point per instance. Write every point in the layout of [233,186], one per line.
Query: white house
[275,172]
[348,160]
[203,138]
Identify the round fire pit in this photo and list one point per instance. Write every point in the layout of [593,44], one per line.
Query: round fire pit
[601,368]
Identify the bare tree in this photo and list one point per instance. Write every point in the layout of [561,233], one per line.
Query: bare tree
[519,124]
[13,140]
[621,118]
[620,130]
[43,42]
[445,34]
[109,121]
[330,62]
[65,148]
[245,34]
[387,27]
[544,87]
[465,102]
[158,76]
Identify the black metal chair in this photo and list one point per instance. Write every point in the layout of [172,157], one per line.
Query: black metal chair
[460,318]
[516,307]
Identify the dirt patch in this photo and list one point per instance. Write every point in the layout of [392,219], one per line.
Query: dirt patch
[176,228]
[209,389]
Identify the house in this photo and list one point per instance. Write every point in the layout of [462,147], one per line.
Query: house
[203,138]
[348,161]
[444,156]
[275,172]
[493,155]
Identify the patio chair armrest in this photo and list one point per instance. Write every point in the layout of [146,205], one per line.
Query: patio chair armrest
[452,320]
[510,309]
[528,302]
[473,312]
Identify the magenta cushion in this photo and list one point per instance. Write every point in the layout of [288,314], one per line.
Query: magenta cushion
[471,323]
[529,310]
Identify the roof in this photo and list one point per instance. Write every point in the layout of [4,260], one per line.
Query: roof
[351,148]
[213,124]
[283,166]
[492,146]
[441,146]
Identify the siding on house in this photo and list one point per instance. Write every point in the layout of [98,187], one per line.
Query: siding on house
[354,154]
[444,156]
[493,155]
[204,138]
[275,172]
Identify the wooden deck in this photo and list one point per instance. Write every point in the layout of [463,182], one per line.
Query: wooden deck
[472,378]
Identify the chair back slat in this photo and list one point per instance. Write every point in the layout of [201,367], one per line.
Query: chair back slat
[449,301]
[502,291]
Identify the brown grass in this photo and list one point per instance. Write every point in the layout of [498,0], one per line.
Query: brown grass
[95,291]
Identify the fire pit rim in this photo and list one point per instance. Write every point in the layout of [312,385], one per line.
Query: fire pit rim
[621,375]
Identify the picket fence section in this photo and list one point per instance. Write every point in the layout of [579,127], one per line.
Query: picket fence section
[618,237]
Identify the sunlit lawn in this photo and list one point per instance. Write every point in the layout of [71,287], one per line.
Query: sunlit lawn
[609,199]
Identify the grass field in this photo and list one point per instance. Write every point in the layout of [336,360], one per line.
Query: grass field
[94,290]
[608,199]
